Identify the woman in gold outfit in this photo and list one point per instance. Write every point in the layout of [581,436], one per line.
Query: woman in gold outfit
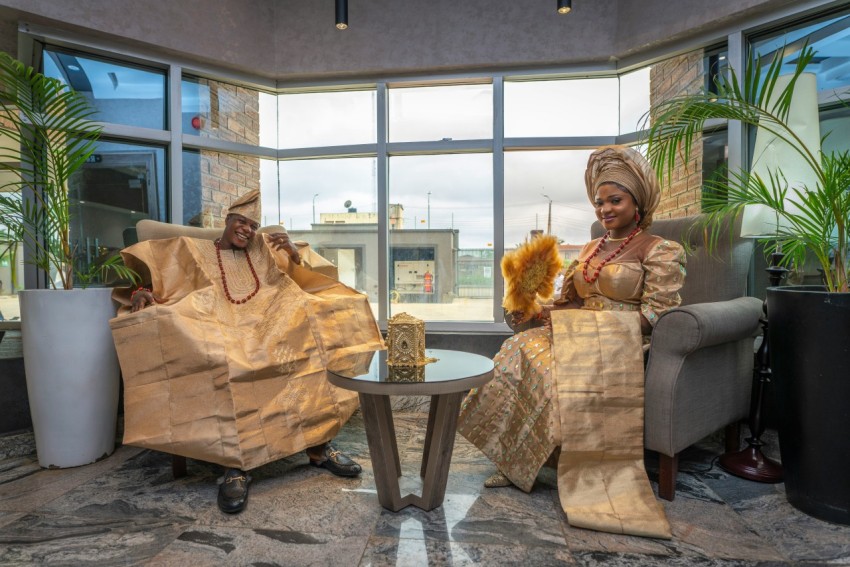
[572,389]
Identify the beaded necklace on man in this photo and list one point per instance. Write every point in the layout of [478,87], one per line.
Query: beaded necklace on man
[224,278]
[609,257]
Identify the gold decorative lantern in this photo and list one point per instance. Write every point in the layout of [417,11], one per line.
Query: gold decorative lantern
[405,341]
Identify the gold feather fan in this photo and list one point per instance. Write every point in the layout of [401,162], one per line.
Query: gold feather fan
[529,272]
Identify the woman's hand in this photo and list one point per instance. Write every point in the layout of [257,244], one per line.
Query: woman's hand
[518,318]
[281,241]
[142,298]
[545,315]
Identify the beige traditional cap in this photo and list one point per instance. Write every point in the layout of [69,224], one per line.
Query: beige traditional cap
[626,167]
[248,206]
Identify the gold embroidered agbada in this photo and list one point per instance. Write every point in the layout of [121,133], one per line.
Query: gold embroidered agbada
[579,388]
[238,385]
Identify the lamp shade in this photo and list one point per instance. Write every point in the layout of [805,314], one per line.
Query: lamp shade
[772,155]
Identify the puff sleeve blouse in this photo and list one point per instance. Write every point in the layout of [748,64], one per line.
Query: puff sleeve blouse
[646,276]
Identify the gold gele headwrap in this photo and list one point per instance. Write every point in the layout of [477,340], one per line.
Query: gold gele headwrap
[248,205]
[627,167]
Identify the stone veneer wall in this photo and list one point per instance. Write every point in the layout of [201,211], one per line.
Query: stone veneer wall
[682,189]
[234,116]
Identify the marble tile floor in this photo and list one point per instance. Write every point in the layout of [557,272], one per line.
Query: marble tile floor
[128,510]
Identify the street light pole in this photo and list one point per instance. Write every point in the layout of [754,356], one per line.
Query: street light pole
[314,207]
[549,222]
[429,210]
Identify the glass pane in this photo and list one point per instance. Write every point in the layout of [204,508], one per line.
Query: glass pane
[118,186]
[332,204]
[836,122]
[212,109]
[543,189]
[715,158]
[212,180]
[634,100]
[309,120]
[441,237]
[457,112]
[715,65]
[577,107]
[121,93]
[829,38]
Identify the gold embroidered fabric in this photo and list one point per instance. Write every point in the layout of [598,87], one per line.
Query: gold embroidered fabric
[238,385]
[602,481]
[516,419]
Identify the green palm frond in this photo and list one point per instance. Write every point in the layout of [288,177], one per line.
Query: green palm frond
[811,220]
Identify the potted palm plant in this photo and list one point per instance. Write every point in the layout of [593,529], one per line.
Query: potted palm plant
[809,325]
[69,357]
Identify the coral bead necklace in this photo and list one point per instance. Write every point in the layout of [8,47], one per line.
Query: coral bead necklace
[224,279]
[609,257]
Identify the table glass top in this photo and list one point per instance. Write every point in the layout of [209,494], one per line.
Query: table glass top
[450,365]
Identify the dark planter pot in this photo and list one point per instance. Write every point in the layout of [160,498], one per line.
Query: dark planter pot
[810,360]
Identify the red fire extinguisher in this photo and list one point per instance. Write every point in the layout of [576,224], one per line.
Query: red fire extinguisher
[429,282]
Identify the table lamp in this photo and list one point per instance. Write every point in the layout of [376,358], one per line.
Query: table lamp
[774,158]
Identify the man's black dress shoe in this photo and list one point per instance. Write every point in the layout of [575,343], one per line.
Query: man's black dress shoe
[233,491]
[337,462]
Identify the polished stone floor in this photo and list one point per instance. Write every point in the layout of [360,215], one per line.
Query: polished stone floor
[128,510]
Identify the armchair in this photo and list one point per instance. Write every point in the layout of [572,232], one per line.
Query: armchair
[699,370]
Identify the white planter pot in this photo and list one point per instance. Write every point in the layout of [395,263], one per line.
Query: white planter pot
[72,374]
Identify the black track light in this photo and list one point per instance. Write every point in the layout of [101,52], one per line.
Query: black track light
[564,6]
[342,14]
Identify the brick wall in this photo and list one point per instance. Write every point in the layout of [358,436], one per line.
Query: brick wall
[235,117]
[682,188]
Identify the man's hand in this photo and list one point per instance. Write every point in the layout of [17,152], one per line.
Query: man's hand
[142,298]
[281,241]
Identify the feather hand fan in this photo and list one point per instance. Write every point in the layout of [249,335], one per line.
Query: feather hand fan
[529,272]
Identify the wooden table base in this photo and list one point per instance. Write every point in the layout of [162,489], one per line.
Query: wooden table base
[436,459]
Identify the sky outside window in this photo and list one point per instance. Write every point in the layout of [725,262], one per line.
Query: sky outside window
[456,112]
[575,107]
[308,120]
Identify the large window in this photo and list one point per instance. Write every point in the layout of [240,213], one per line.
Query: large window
[459,183]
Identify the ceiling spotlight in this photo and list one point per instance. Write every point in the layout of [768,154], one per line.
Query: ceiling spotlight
[342,14]
[564,6]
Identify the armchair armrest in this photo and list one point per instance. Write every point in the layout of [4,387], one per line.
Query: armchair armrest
[685,329]
[699,371]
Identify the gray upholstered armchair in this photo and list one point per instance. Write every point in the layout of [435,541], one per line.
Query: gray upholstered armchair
[699,371]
